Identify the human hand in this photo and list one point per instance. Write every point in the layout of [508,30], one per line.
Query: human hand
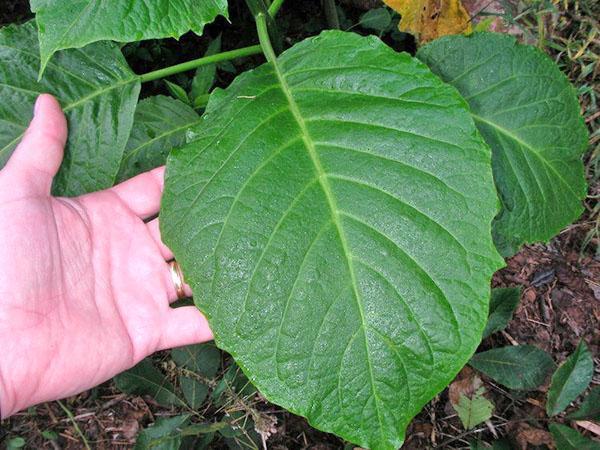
[84,282]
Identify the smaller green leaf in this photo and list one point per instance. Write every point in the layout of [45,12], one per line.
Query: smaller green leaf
[50,435]
[378,19]
[570,380]
[205,75]
[475,410]
[502,305]
[15,443]
[162,435]
[567,438]
[204,359]
[159,125]
[484,25]
[590,407]
[520,367]
[146,379]
[177,92]
[194,391]
[227,66]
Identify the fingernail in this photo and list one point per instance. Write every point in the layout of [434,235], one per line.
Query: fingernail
[36,107]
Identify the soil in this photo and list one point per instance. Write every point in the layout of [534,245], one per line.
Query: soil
[560,300]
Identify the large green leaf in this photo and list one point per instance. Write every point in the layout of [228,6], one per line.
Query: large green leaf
[528,113]
[95,87]
[66,24]
[333,219]
[161,123]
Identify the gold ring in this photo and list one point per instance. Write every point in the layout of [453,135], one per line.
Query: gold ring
[177,277]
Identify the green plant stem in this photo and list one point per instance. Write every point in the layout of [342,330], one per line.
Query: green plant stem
[256,7]
[263,37]
[195,63]
[259,7]
[275,6]
[74,422]
[331,14]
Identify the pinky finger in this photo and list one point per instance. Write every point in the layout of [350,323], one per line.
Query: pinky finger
[185,326]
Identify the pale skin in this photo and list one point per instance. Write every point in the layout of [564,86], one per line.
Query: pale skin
[85,287]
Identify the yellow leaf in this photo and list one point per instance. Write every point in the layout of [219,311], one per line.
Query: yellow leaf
[430,19]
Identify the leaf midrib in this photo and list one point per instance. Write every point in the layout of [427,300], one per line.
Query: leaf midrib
[331,201]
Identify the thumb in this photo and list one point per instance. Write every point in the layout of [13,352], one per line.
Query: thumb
[185,325]
[36,160]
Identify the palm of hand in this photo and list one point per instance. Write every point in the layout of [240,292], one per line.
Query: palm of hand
[84,285]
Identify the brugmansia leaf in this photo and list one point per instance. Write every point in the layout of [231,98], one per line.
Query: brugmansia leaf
[473,410]
[66,24]
[590,407]
[519,367]
[502,305]
[97,91]
[528,113]
[430,19]
[160,124]
[570,380]
[567,438]
[311,218]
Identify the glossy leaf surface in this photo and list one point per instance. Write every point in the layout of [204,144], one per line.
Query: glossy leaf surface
[521,367]
[75,23]
[528,112]
[97,91]
[570,380]
[311,217]
[160,124]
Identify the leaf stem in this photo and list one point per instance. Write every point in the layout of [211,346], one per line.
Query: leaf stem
[75,425]
[257,7]
[223,56]
[275,6]
[195,63]
[263,37]
[331,14]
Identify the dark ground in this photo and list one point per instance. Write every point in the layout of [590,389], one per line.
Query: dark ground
[560,281]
